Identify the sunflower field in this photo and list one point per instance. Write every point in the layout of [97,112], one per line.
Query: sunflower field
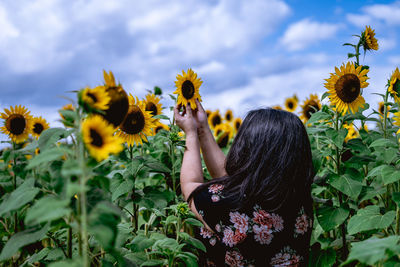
[104,189]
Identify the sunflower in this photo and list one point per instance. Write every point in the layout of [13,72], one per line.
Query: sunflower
[223,133]
[291,103]
[369,40]
[310,106]
[208,112]
[39,125]
[152,104]
[381,109]
[214,119]
[396,119]
[236,124]
[119,103]
[229,115]
[394,85]
[99,139]
[277,107]
[67,107]
[138,123]
[351,132]
[96,98]
[18,123]
[344,87]
[188,86]
[160,126]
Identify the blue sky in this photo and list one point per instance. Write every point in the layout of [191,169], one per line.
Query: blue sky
[249,53]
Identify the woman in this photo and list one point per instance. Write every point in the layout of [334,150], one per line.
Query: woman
[257,209]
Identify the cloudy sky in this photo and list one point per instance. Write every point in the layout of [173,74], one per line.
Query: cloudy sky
[249,53]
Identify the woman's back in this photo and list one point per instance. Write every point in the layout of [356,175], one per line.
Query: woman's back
[252,235]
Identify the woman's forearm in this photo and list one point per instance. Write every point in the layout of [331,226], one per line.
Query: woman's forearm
[213,156]
[191,170]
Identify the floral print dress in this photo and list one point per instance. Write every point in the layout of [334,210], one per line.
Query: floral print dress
[252,237]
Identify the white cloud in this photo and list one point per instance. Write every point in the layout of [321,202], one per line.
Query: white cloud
[386,44]
[359,20]
[373,14]
[306,32]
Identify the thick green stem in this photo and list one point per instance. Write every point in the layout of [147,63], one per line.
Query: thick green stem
[172,155]
[134,215]
[385,111]
[69,242]
[15,186]
[358,53]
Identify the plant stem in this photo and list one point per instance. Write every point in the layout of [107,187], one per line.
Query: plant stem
[134,217]
[358,53]
[385,115]
[69,240]
[172,155]
[15,186]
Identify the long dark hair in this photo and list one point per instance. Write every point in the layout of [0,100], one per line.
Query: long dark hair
[269,162]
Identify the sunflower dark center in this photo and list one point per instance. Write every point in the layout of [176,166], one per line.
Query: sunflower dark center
[134,122]
[16,124]
[228,117]
[150,106]
[348,87]
[38,128]
[158,128]
[218,132]
[396,86]
[290,104]
[223,141]
[216,120]
[381,109]
[237,125]
[187,89]
[97,139]
[92,96]
[311,108]
[118,106]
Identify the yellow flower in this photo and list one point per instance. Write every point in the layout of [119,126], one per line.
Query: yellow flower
[160,126]
[208,112]
[236,124]
[119,103]
[291,103]
[229,115]
[96,98]
[67,107]
[394,85]
[138,123]
[39,125]
[223,133]
[152,104]
[396,119]
[344,87]
[99,138]
[351,132]
[370,42]
[310,106]
[188,86]
[277,107]
[17,124]
[214,119]
[381,109]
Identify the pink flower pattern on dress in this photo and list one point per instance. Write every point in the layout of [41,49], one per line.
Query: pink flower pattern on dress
[215,188]
[240,221]
[213,241]
[234,259]
[215,198]
[262,234]
[218,227]
[286,257]
[238,237]
[228,238]
[303,222]
[205,233]
[268,219]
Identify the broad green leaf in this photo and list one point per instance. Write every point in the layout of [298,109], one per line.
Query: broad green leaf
[396,198]
[346,185]
[336,137]
[331,217]
[372,250]
[383,142]
[318,116]
[70,168]
[22,239]
[195,243]
[368,192]
[163,117]
[141,242]
[123,188]
[47,208]
[390,174]
[153,263]
[45,157]
[24,194]
[50,137]
[194,222]
[156,166]
[322,258]
[68,263]
[369,218]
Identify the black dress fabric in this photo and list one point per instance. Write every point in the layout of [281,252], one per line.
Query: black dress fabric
[252,236]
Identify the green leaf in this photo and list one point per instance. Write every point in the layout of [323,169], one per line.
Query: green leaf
[370,192]
[372,250]
[22,239]
[322,257]
[331,217]
[47,208]
[319,116]
[346,185]
[194,222]
[141,242]
[161,116]
[369,218]
[70,168]
[156,166]
[50,137]
[45,157]
[123,188]
[396,198]
[390,175]
[383,142]
[153,263]
[195,243]
[24,194]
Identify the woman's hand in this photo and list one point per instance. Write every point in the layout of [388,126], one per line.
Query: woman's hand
[186,121]
[201,116]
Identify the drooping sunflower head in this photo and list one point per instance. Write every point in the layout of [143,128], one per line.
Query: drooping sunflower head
[214,119]
[187,88]
[119,103]
[229,115]
[291,103]
[39,125]
[381,109]
[310,106]
[94,99]
[160,126]
[138,123]
[223,133]
[396,120]
[236,124]
[67,121]
[344,87]
[17,123]
[351,132]
[368,39]
[152,104]
[98,136]
[394,85]
[277,107]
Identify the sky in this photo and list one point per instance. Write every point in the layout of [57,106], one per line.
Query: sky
[249,54]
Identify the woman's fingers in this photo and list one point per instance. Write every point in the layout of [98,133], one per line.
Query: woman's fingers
[189,110]
[199,105]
